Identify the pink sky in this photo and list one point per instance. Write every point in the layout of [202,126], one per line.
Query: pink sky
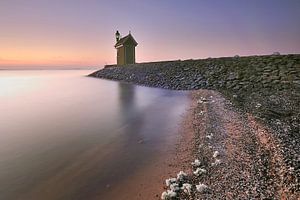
[80,33]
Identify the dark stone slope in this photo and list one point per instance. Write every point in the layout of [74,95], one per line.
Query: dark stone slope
[241,73]
[266,86]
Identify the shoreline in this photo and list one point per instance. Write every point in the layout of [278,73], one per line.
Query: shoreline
[261,94]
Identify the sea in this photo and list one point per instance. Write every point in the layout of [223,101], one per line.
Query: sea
[64,135]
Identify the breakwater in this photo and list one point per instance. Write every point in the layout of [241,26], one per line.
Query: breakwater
[233,73]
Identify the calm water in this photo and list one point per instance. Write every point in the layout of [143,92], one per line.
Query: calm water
[67,136]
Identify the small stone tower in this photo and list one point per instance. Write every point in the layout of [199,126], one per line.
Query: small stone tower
[125,49]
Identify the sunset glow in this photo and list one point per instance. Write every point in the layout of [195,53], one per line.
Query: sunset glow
[64,33]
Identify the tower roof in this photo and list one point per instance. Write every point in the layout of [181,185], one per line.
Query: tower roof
[127,39]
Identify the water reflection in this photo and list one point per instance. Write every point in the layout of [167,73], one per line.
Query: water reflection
[126,99]
[70,136]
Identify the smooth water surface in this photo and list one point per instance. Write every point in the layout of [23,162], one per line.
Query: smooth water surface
[67,136]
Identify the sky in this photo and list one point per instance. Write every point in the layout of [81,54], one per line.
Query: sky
[80,33]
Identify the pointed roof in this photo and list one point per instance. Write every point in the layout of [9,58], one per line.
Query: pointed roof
[123,40]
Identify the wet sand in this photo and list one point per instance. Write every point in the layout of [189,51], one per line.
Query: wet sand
[148,182]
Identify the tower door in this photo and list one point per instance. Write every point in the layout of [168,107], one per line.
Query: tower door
[130,54]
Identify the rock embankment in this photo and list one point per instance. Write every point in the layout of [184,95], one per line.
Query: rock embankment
[267,87]
[237,73]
